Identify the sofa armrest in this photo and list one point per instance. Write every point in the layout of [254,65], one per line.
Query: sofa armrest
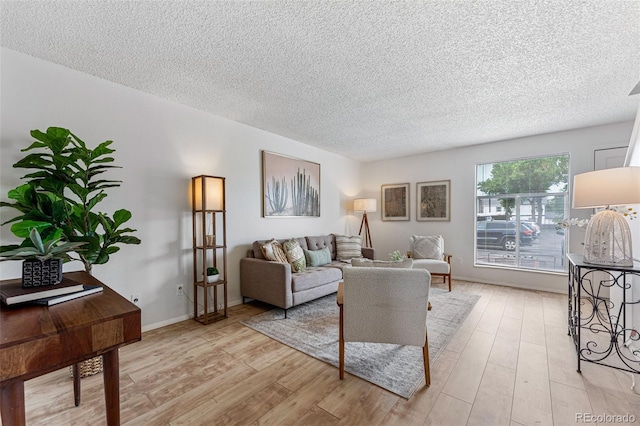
[447,258]
[369,252]
[266,281]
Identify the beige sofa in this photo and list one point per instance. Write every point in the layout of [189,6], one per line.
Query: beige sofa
[274,283]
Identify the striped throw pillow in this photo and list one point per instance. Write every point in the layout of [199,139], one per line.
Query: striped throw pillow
[348,247]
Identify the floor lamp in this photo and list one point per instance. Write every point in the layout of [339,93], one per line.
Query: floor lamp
[365,205]
[607,237]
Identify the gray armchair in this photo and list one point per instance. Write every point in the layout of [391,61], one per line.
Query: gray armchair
[385,305]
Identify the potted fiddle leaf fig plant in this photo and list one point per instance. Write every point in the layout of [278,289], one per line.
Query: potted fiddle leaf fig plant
[64,186]
[41,260]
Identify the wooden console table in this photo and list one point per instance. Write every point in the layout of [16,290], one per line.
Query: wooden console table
[36,340]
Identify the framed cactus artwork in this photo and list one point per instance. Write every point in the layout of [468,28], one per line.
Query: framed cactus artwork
[290,186]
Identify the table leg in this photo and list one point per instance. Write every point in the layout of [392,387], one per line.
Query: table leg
[111,375]
[76,384]
[12,403]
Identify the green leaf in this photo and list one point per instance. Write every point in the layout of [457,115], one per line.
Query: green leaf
[102,149]
[129,240]
[23,229]
[21,193]
[34,235]
[120,217]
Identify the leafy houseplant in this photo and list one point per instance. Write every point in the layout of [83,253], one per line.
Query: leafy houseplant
[212,274]
[63,188]
[42,261]
[396,255]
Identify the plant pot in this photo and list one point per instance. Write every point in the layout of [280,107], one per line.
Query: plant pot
[37,273]
[213,278]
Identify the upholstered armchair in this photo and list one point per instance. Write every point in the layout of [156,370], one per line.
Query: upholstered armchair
[428,253]
[384,305]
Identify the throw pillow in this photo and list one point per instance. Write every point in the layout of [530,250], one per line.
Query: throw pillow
[348,247]
[295,255]
[404,263]
[317,257]
[272,250]
[427,247]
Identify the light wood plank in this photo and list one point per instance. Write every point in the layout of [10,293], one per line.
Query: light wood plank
[562,357]
[492,405]
[448,411]
[532,395]
[507,343]
[464,381]
[568,404]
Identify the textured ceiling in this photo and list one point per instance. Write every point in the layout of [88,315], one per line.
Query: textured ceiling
[368,80]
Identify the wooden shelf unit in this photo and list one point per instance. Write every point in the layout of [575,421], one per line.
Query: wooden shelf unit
[209,221]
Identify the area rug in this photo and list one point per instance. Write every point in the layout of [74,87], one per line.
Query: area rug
[312,328]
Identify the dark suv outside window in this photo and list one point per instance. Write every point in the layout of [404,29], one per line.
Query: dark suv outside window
[501,233]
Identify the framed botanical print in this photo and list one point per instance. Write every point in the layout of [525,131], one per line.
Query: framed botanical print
[395,202]
[433,200]
[290,186]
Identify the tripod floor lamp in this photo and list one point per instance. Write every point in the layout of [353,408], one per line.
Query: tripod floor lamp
[365,205]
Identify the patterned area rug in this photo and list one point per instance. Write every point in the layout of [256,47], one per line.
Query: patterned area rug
[312,328]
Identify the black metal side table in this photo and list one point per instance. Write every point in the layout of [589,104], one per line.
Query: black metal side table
[596,325]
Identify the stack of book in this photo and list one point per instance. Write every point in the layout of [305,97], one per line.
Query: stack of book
[14,293]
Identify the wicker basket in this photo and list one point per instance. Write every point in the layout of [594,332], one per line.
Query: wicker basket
[89,367]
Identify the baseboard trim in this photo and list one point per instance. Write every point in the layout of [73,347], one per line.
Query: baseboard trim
[510,284]
[181,318]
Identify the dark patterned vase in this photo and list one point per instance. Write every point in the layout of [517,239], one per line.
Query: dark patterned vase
[36,272]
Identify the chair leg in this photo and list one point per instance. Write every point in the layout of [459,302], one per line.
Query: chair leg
[341,344]
[425,356]
[449,276]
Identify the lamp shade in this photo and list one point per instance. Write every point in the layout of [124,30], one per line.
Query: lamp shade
[208,193]
[364,205]
[608,187]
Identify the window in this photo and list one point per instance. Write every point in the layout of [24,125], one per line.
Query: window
[518,206]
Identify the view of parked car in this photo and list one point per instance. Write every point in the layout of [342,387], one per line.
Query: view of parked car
[534,227]
[501,233]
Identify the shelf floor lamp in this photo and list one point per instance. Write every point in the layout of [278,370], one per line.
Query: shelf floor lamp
[365,205]
[608,237]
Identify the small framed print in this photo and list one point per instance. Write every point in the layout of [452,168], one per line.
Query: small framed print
[395,202]
[433,200]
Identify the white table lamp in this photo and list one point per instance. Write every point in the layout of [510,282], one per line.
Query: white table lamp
[608,237]
[365,205]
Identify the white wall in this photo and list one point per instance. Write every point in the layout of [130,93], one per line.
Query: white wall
[160,145]
[458,165]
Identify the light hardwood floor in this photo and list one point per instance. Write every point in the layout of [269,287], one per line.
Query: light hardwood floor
[511,363]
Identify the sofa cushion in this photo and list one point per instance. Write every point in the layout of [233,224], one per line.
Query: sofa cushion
[322,241]
[404,263]
[317,257]
[295,255]
[432,265]
[314,277]
[273,251]
[348,247]
[427,247]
